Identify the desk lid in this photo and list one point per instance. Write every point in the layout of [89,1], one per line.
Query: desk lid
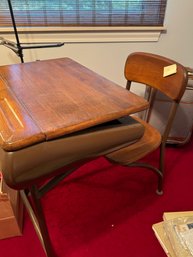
[45,100]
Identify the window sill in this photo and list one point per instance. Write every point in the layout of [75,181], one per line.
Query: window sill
[86,35]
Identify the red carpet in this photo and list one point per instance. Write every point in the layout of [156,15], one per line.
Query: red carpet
[103,210]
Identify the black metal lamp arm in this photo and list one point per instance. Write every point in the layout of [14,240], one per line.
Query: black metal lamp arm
[19,47]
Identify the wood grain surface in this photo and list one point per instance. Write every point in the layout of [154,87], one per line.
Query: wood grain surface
[44,100]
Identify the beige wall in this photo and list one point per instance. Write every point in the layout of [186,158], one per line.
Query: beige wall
[108,58]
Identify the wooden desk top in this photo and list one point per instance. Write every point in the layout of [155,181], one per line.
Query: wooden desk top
[44,100]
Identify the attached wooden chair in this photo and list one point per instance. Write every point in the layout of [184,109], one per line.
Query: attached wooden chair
[147,69]
[122,141]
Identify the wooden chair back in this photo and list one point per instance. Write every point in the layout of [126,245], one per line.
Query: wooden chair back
[148,69]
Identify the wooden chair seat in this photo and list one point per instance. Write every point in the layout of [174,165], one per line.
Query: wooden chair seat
[149,142]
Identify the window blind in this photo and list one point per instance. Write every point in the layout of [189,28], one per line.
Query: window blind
[82,13]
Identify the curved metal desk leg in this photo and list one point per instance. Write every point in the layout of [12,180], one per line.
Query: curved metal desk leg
[37,216]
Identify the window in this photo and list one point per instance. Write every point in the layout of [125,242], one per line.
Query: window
[84,12]
[84,15]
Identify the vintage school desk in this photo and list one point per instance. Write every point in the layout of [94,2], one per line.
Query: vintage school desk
[58,113]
